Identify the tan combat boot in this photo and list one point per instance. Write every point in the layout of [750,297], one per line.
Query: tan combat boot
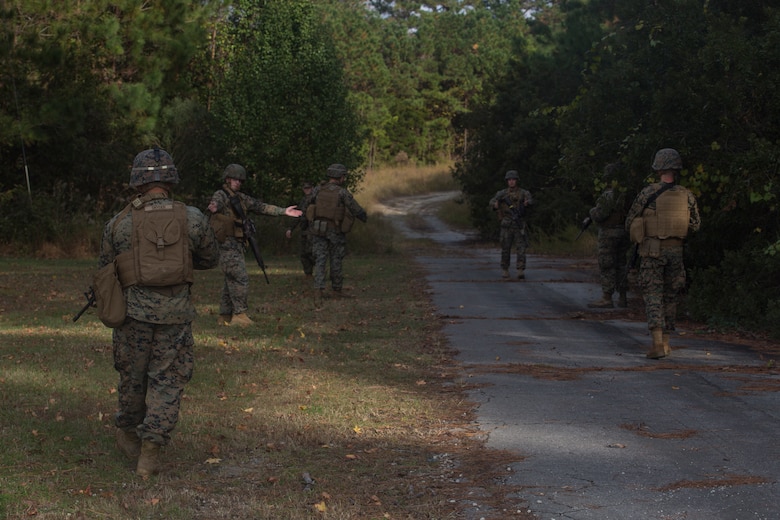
[241,320]
[319,295]
[622,300]
[604,303]
[504,273]
[665,341]
[657,350]
[339,293]
[224,319]
[128,443]
[148,462]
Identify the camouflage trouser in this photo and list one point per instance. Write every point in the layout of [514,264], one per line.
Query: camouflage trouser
[307,255]
[154,363]
[661,280]
[513,236]
[330,248]
[235,291]
[613,248]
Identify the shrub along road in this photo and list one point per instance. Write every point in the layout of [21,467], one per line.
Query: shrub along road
[597,431]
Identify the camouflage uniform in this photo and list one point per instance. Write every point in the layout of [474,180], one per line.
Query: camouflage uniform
[306,253]
[232,257]
[659,220]
[332,247]
[153,349]
[613,243]
[513,231]
[662,277]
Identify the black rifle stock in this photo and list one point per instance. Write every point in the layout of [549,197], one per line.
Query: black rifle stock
[249,233]
[90,295]
[630,265]
[585,224]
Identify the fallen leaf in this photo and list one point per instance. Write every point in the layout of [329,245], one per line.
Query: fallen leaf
[320,507]
[213,460]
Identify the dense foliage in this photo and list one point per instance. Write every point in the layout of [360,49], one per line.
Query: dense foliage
[615,81]
[556,89]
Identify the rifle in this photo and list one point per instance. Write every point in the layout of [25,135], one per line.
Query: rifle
[585,224]
[249,232]
[516,212]
[630,265]
[90,295]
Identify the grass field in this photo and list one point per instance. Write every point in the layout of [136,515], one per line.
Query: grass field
[351,412]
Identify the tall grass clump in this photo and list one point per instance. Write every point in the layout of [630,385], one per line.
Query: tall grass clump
[388,182]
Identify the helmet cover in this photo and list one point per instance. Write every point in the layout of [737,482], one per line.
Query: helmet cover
[667,159]
[153,165]
[337,170]
[234,171]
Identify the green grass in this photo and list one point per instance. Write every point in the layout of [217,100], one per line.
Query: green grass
[351,395]
[362,396]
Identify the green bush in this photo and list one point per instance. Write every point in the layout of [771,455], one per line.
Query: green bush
[741,292]
[55,223]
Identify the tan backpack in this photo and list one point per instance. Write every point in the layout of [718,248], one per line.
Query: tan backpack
[160,254]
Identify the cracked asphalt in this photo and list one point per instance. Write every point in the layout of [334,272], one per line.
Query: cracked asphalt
[600,431]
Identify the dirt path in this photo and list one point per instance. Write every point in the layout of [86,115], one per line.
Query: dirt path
[592,429]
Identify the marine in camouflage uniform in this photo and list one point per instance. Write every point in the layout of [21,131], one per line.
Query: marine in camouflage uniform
[306,254]
[613,243]
[511,204]
[667,217]
[153,348]
[233,303]
[330,245]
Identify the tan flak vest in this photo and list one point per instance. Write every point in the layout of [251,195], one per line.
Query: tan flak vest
[328,204]
[670,218]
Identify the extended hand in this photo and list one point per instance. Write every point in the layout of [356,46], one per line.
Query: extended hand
[293,211]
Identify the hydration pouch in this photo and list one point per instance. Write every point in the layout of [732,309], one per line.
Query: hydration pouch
[110,300]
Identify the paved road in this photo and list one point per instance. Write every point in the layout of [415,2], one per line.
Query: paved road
[603,432]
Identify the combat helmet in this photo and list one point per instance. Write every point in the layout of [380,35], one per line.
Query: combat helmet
[667,159]
[337,170]
[234,171]
[153,165]
[512,174]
